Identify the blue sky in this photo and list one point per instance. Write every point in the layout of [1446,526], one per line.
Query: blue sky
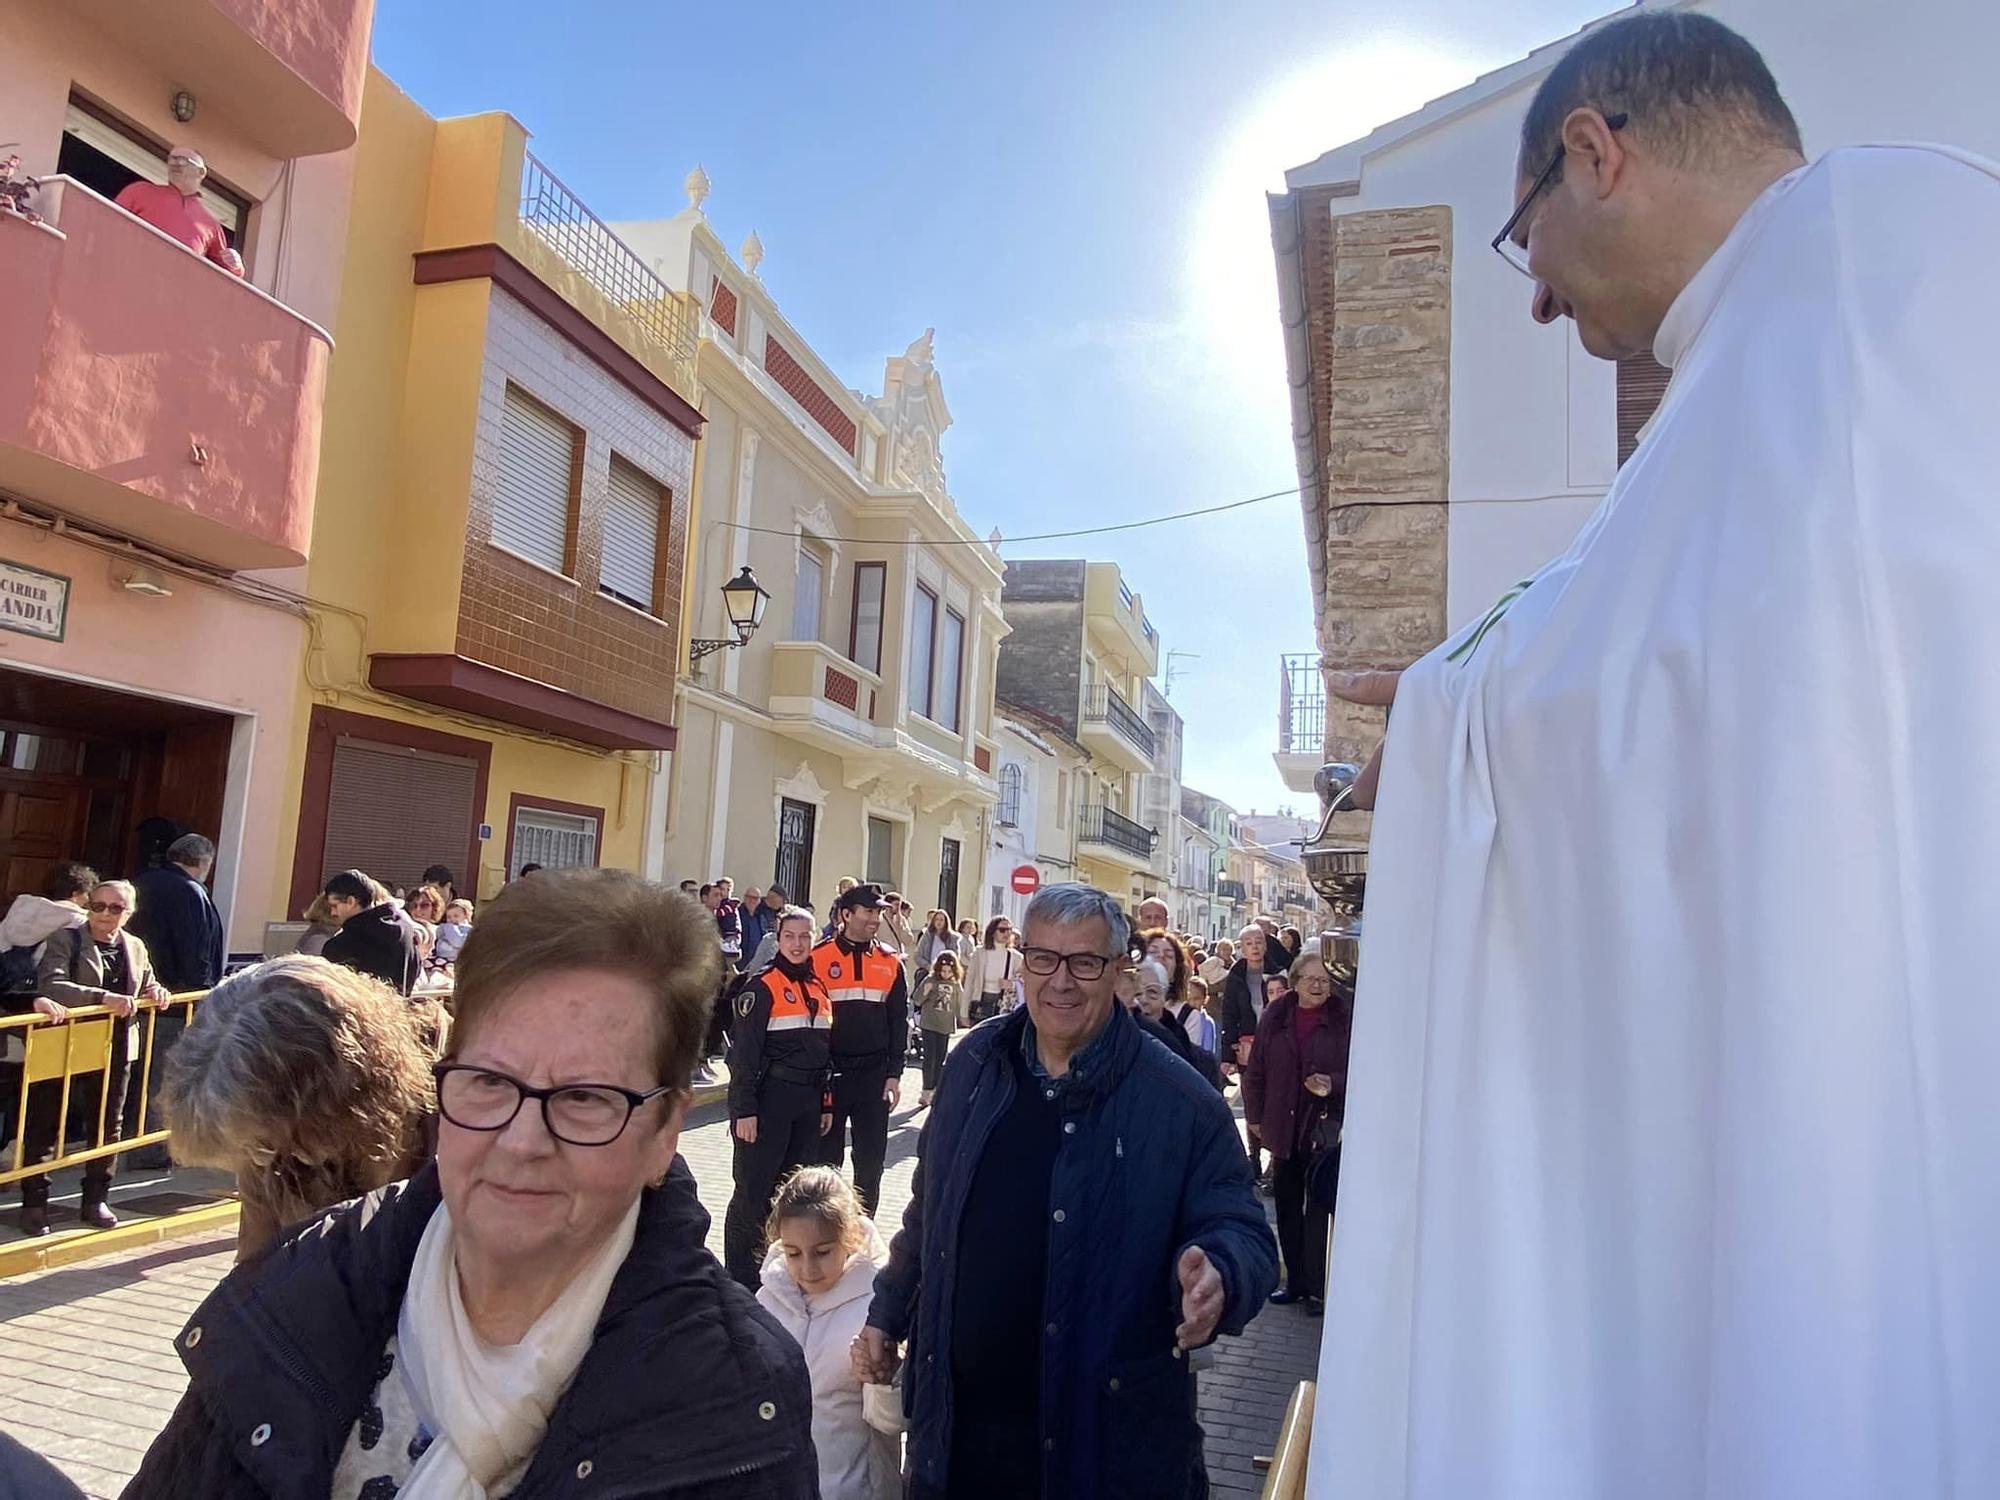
[1072,194]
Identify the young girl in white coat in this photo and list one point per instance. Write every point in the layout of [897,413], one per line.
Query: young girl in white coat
[818,1278]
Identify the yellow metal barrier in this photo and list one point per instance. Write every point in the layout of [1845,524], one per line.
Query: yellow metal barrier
[1287,1479]
[64,1051]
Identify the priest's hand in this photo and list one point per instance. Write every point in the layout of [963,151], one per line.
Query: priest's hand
[825,1124]
[1201,1298]
[1371,690]
[892,1092]
[746,1130]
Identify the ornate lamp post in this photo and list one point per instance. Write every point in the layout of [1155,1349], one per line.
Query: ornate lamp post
[744,600]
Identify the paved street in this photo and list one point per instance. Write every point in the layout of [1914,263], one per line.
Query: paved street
[90,1372]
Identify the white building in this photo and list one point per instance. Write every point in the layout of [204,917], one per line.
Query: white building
[1469,444]
[1037,769]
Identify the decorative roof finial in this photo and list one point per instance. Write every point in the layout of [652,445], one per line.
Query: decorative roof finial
[697,187]
[753,253]
[993,541]
[919,352]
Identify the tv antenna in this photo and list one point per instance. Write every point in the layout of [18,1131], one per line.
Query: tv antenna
[1172,657]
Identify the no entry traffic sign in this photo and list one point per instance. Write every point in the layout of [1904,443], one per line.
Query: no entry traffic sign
[1027,880]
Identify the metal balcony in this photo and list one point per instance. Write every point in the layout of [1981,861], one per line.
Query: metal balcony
[1113,830]
[1112,726]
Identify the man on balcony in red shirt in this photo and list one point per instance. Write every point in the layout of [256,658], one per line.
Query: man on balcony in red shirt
[175,209]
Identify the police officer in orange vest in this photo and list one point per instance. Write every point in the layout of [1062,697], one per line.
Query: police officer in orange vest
[779,1106]
[871,1034]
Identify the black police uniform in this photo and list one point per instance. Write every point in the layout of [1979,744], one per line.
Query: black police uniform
[777,1073]
[871,1037]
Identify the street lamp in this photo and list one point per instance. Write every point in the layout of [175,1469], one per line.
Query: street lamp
[744,600]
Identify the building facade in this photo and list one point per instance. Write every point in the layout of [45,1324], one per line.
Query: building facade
[1160,794]
[1077,658]
[1204,906]
[1447,446]
[853,734]
[504,506]
[161,424]
[1032,828]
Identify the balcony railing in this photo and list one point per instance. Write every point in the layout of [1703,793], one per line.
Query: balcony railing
[586,244]
[1230,890]
[1301,706]
[181,403]
[1102,825]
[1103,705]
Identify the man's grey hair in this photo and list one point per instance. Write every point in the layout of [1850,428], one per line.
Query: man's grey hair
[1071,904]
[1691,88]
[189,850]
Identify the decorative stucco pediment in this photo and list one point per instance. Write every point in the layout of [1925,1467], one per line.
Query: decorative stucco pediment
[912,408]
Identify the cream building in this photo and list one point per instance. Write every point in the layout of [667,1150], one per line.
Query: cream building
[1032,827]
[852,734]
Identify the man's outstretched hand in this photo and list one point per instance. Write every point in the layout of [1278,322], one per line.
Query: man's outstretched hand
[1371,690]
[1201,1298]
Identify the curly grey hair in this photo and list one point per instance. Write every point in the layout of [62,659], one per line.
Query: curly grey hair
[1071,904]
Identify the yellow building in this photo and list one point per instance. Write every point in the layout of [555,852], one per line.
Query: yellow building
[502,516]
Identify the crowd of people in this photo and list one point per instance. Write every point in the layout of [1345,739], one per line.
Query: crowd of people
[506,1234]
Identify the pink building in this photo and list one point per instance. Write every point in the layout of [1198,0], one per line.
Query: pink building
[159,424]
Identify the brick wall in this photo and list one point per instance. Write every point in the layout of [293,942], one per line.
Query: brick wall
[523,619]
[802,388]
[1379,296]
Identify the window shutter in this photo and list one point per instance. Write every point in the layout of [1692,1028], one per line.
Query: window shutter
[1642,382]
[392,812]
[532,499]
[631,536]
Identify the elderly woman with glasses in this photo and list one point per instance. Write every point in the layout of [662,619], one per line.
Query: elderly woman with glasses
[96,962]
[535,1314]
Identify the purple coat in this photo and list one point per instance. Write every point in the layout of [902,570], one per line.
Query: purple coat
[1274,1080]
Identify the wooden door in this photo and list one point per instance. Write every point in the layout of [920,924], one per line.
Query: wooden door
[38,826]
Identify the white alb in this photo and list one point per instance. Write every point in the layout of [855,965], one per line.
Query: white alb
[1672,1164]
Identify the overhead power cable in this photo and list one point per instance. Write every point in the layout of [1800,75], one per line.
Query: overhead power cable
[1039,536]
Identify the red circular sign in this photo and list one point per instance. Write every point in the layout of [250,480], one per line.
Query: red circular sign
[1027,880]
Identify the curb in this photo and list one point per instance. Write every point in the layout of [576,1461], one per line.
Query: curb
[46,1255]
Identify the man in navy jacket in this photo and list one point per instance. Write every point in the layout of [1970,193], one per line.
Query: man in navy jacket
[1082,1217]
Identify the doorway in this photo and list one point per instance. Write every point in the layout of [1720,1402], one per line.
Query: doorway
[107,777]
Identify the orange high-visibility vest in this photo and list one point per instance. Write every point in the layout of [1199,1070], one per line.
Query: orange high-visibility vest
[869,977]
[791,1009]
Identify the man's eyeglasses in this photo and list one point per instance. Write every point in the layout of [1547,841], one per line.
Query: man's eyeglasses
[1046,961]
[583,1114]
[1511,250]
[101,907]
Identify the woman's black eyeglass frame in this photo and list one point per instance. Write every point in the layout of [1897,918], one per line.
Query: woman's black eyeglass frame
[634,1101]
[1503,242]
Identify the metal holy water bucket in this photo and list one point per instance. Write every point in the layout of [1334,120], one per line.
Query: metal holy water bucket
[1338,871]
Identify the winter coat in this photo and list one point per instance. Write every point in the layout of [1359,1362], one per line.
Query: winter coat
[931,944]
[1241,1006]
[1175,1040]
[1149,1164]
[72,975]
[32,919]
[940,1003]
[995,968]
[757,921]
[690,1391]
[176,918]
[1274,1080]
[381,941]
[855,1461]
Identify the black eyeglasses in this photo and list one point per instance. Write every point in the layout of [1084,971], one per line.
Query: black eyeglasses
[583,1114]
[1046,961]
[1516,255]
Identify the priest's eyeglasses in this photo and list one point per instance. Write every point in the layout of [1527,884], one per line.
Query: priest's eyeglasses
[1045,961]
[583,1114]
[1515,252]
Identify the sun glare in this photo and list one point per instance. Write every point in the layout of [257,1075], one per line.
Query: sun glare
[1232,298]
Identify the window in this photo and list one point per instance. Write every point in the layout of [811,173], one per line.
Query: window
[1008,814]
[951,668]
[796,824]
[107,156]
[629,566]
[923,651]
[1062,799]
[948,857]
[881,868]
[533,495]
[864,625]
[805,603]
[554,840]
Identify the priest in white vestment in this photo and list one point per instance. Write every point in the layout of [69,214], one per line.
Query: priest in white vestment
[1672,1164]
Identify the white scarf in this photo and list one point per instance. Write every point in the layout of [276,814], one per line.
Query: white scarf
[490,1405]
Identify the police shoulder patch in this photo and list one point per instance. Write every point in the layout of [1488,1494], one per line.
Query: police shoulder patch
[745,1002]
